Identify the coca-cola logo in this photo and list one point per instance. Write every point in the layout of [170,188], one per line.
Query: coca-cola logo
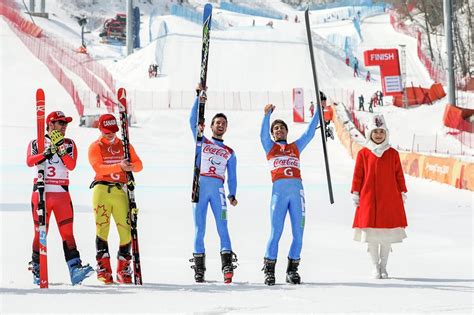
[286,162]
[217,151]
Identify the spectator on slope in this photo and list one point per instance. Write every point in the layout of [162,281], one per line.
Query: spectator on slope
[361,102]
[379,193]
[380,98]
[356,67]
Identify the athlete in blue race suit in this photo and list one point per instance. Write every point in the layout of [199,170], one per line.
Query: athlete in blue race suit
[287,192]
[216,158]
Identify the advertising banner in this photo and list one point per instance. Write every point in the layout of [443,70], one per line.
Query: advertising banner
[298,105]
[387,60]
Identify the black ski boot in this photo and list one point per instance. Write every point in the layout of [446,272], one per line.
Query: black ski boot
[199,266]
[228,258]
[269,270]
[292,275]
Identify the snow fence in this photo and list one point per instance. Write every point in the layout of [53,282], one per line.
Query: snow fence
[445,170]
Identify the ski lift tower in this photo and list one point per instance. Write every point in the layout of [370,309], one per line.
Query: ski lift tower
[403,70]
[42,12]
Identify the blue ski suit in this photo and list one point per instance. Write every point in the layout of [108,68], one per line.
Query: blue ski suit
[287,193]
[216,158]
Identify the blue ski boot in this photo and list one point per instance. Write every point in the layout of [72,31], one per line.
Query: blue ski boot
[35,269]
[77,271]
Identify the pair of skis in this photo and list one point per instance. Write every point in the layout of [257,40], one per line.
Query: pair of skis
[40,183]
[206,28]
[320,109]
[132,205]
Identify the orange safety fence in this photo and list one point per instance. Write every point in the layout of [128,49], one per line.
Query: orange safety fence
[445,170]
[419,95]
[24,25]
[456,117]
[55,52]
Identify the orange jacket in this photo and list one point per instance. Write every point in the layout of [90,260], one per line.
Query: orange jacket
[105,158]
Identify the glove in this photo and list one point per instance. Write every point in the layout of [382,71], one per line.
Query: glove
[329,132]
[404,197]
[232,200]
[49,152]
[57,138]
[356,198]
[61,150]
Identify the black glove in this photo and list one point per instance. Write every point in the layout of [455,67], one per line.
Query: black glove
[61,150]
[49,152]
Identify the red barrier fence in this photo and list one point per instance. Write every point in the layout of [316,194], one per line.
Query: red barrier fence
[55,53]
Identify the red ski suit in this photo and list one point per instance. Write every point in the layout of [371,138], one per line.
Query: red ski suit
[380,182]
[57,196]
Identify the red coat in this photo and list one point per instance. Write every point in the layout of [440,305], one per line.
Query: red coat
[380,182]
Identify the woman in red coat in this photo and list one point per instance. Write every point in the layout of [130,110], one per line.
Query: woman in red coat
[378,191]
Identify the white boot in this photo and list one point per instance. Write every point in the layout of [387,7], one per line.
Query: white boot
[384,252]
[373,249]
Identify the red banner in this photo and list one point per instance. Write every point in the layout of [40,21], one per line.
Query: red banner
[298,105]
[387,60]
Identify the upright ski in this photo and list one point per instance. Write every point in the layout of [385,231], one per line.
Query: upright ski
[206,27]
[40,184]
[132,206]
[320,109]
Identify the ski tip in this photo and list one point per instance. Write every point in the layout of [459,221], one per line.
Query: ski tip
[122,93]
[207,14]
[122,99]
[40,94]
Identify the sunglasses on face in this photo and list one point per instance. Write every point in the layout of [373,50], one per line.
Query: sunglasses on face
[61,122]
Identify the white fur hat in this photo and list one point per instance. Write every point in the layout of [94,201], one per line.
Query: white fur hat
[376,122]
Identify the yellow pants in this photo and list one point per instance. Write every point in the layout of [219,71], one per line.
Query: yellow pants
[107,202]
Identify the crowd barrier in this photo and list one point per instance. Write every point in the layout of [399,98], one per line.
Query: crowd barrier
[445,170]
[193,16]
[33,44]
[55,53]
[267,13]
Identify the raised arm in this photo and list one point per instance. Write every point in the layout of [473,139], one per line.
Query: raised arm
[265,138]
[306,137]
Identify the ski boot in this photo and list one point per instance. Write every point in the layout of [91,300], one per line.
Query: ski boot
[228,258]
[269,270]
[292,275]
[104,271]
[34,268]
[124,271]
[77,271]
[199,266]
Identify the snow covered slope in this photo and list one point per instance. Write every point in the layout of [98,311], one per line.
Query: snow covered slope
[431,271]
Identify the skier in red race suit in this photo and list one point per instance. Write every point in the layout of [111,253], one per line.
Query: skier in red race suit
[60,157]
[379,193]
